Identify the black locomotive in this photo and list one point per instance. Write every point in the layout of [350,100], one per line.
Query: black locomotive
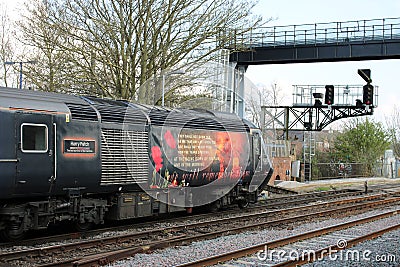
[88,160]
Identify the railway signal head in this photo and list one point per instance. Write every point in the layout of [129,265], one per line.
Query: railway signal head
[365,74]
[329,94]
[317,103]
[368,94]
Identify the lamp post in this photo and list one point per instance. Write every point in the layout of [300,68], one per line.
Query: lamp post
[163,82]
[20,68]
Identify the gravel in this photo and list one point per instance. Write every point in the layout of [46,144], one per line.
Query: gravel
[201,249]
[154,225]
[382,251]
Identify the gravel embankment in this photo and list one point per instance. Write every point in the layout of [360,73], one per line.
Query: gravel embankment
[382,251]
[201,249]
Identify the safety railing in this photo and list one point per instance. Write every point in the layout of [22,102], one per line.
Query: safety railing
[313,34]
[345,95]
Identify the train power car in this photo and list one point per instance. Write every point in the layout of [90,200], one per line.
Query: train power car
[87,160]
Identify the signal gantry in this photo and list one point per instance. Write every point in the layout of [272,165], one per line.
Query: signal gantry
[309,114]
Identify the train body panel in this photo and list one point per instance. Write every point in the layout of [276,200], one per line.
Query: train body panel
[78,156]
[86,159]
[35,154]
[8,157]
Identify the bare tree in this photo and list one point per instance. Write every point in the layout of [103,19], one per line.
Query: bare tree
[393,124]
[52,70]
[110,48]
[263,96]
[6,48]
[258,97]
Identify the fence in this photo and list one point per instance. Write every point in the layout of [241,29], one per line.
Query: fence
[353,170]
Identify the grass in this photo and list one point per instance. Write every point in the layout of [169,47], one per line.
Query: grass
[323,188]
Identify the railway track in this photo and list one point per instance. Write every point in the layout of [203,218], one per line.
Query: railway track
[262,249]
[104,250]
[337,246]
[395,188]
[272,203]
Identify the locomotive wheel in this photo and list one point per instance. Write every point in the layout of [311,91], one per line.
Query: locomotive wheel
[215,206]
[83,227]
[13,232]
[243,204]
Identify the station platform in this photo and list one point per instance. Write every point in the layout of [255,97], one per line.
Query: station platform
[338,184]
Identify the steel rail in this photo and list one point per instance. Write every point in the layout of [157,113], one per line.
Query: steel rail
[284,241]
[144,234]
[176,229]
[106,258]
[271,204]
[318,254]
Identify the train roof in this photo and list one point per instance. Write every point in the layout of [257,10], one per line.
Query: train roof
[13,98]
[86,108]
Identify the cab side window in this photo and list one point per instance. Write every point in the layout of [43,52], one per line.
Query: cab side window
[34,138]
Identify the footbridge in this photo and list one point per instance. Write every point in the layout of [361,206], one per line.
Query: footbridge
[373,39]
[320,42]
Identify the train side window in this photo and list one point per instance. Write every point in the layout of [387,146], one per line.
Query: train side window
[34,138]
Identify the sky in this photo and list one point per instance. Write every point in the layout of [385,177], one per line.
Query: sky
[384,73]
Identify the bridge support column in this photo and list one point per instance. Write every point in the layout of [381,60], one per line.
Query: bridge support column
[239,92]
[230,97]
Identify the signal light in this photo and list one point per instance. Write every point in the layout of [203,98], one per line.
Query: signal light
[329,94]
[368,94]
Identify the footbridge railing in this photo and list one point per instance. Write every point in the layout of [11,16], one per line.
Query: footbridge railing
[309,34]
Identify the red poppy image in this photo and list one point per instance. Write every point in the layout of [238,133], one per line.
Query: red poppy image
[157,157]
[169,138]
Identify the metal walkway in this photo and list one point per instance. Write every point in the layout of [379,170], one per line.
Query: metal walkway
[322,42]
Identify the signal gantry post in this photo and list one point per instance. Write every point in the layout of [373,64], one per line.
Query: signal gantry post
[309,114]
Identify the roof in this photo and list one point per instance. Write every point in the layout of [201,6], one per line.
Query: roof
[88,108]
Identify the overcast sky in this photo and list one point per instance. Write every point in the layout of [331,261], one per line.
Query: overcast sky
[384,73]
